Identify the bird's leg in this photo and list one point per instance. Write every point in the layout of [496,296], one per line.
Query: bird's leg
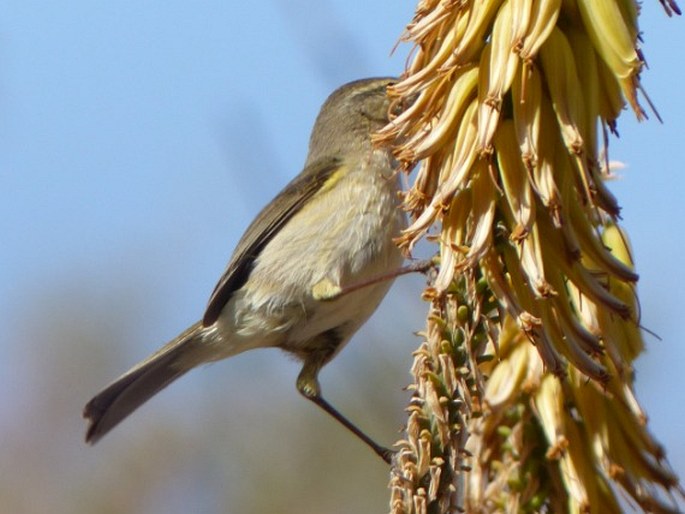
[308,386]
[326,291]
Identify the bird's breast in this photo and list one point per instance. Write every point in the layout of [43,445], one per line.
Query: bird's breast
[343,236]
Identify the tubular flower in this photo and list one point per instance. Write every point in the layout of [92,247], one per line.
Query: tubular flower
[523,386]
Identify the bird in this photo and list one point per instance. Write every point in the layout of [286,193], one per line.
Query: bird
[304,276]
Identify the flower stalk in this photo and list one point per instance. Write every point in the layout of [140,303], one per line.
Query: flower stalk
[523,385]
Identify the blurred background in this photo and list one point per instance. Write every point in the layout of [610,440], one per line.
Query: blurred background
[137,141]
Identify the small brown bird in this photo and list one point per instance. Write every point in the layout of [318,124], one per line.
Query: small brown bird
[330,228]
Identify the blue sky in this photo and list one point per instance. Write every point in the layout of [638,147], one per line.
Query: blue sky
[138,139]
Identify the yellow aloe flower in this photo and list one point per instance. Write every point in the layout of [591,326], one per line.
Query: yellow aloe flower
[523,386]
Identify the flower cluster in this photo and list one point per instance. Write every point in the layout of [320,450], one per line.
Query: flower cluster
[523,385]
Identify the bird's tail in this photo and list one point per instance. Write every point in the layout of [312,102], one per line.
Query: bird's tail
[109,407]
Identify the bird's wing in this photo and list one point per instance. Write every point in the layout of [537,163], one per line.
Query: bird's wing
[264,227]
